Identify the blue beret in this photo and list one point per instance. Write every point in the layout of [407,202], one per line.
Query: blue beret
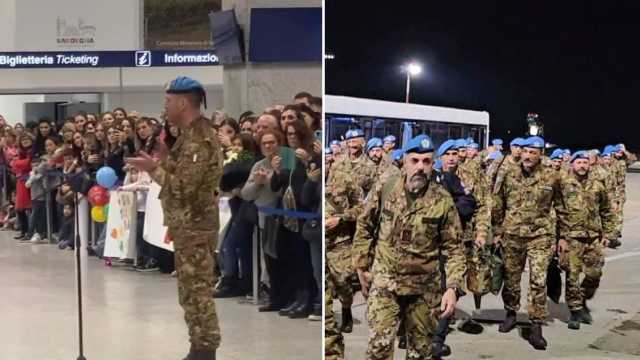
[580,155]
[390,138]
[335,142]
[396,155]
[473,145]
[461,143]
[494,155]
[469,140]
[596,151]
[496,142]
[186,85]
[437,165]
[535,142]
[374,143]
[354,134]
[328,151]
[446,146]
[617,148]
[419,144]
[608,149]
[516,142]
[567,152]
[556,154]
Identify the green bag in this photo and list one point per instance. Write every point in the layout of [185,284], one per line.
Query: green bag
[496,263]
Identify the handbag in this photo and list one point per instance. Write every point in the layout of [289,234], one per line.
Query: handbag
[269,238]
[312,230]
[289,203]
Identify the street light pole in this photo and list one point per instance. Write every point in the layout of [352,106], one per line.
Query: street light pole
[408,86]
[412,69]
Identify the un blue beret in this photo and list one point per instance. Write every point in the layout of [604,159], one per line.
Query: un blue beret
[473,145]
[496,142]
[390,138]
[328,151]
[374,143]
[397,154]
[354,134]
[494,155]
[335,142]
[556,154]
[419,144]
[516,142]
[469,140]
[446,146]
[535,142]
[437,165]
[186,85]
[580,155]
[567,152]
[461,143]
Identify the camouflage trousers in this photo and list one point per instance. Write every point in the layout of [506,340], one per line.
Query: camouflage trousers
[478,271]
[585,257]
[617,207]
[333,340]
[340,268]
[516,251]
[194,266]
[385,312]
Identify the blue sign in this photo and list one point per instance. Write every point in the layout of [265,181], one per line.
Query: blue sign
[104,59]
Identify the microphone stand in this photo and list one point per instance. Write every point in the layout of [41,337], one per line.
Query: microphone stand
[79,277]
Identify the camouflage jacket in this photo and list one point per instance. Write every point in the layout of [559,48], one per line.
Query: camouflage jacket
[189,177]
[600,173]
[361,171]
[523,202]
[475,182]
[406,239]
[342,199]
[586,210]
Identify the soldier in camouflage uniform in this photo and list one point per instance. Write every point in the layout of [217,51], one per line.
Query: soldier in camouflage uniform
[189,177]
[524,227]
[356,163]
[621,160]
[556,159]
[585,224]
[343,200]
[475,232]
[405,221]
[333,340]
[378,159]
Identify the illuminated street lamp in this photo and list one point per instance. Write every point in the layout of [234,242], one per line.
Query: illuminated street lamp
[413,69]
[535,125]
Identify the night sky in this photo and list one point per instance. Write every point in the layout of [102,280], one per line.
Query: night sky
[577,65]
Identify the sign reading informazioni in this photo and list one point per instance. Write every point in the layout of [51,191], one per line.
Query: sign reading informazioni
[102,59]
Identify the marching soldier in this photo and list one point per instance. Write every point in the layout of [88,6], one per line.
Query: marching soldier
[585,224]
[524,227]
[189,177]
[355,162]
[404,222]
[389,144]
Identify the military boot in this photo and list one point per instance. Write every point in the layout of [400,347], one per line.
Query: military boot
[535,339]
[439,350]
[347,321]
[585,317]
[574,320]
[509,322]
[614,244]
[203,355]
[477,299]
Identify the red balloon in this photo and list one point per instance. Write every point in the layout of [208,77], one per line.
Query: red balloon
[98,196]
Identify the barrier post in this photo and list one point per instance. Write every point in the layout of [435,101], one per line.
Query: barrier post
[256,265]
[47,201]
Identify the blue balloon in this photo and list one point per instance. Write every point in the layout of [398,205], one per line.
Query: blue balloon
[106,177]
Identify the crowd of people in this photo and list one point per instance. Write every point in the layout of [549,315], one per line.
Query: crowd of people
[416,228]
[271,177]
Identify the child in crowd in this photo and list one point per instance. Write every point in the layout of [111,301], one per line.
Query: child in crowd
[139,181]
[67,230]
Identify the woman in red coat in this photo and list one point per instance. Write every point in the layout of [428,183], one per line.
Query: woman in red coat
[21,166]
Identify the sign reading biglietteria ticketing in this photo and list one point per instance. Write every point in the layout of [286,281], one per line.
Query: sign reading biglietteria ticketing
[105,59]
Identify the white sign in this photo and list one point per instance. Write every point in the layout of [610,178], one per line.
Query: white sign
[155,233]
[121,226]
